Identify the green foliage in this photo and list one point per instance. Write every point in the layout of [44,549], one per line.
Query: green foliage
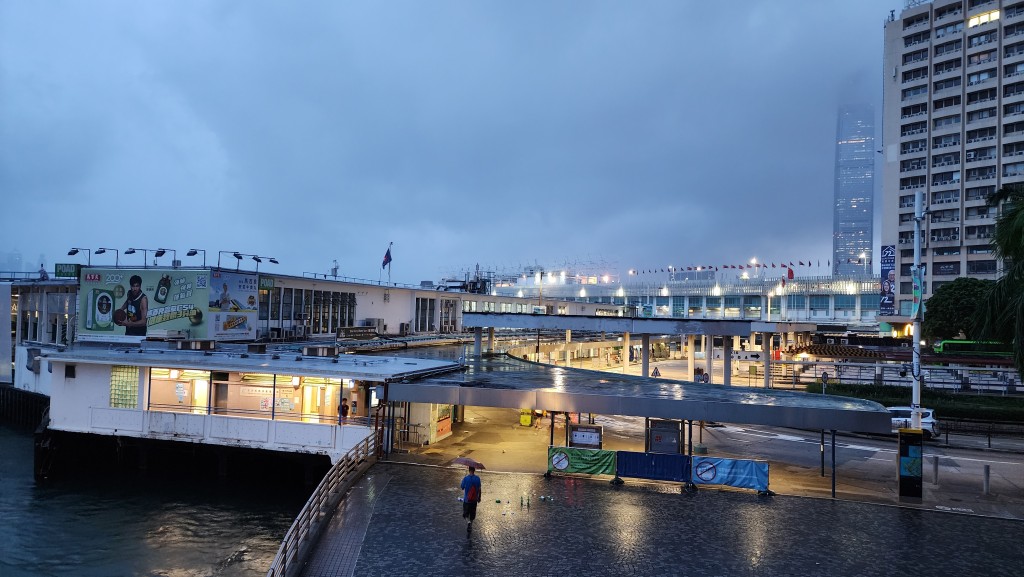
[947,404]
[952,308]
[1002,313]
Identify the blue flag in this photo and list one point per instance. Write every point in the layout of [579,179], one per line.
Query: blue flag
[387,258]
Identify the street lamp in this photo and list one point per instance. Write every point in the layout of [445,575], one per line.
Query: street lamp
[259,259]
[233,253]
[174,254]
[74,251]
[117,254]
[195,251]
[864,259]
[157,253]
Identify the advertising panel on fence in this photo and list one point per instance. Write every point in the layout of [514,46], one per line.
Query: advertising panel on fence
[732,472]
[233,299]
[887,302]
[590,461]
[585,436]
[126,305]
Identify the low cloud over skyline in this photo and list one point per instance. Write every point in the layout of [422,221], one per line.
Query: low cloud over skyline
[622,136]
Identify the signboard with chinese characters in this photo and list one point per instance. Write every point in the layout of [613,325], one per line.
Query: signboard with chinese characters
[114,302]
[232,303]
[887,302]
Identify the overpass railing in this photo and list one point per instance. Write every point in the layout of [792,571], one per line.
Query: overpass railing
[315,514]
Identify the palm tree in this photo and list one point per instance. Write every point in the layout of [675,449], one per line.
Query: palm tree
[1002,312]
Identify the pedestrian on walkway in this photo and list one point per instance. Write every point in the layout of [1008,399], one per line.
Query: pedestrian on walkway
[472,492]
[343,410]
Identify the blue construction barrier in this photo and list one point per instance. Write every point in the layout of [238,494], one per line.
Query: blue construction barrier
[732,472]
[657,466]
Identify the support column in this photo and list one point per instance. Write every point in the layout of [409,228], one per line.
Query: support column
[478,333]
[690,366]
[727,360]
[490,339]
[766,346]
[709,356]
[568,335]
[625,351]
[645,355]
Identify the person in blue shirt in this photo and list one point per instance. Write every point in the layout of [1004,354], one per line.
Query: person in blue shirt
[472,492]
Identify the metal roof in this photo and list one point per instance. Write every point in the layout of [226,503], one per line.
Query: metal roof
[500,381]
[633,325]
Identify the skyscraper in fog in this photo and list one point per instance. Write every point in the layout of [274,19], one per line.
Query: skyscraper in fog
[852,211]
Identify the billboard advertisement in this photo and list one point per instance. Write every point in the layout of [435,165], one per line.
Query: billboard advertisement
[126,305]
[887,302]
[233,298]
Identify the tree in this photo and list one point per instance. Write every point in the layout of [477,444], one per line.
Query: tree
[1002,312]
[951,310]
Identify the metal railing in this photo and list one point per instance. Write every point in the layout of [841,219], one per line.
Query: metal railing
[308,525]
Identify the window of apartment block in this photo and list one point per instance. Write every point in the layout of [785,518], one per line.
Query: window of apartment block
[981,39]
[949,47]
[946,140]
[979,96]
[913,128]
[979,77]
[946,268]
[982,153]
[909,253]
[1013,10]
[944,178]
[946,251]
[1012,30]
[981,134]
[976,115]
[946,102]
[947,66]
[981,267]
[915,74]
[979,192]
[1011,70]
[981,57]
[983,18]
[917,38]
[947,159]
[950,29]
[1013,169]
[916,56]
[915,91]
[1013,128]
[1013,89]
[913,164]
[939,86]
[986,249]
[1013,50]
[912,182]
[944,196]
[950,120]
[914,110]
[914,21]
[947,215]
[948,10]
[914,146]
[976,212]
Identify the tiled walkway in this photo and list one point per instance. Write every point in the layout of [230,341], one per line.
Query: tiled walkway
[336,553]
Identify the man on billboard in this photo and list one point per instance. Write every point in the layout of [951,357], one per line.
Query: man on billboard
[132,314]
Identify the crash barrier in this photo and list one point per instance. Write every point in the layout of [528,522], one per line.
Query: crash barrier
[741,473]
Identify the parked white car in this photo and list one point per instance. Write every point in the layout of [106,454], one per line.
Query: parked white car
[901,420]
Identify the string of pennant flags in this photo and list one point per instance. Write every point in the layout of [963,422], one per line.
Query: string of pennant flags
[749,266]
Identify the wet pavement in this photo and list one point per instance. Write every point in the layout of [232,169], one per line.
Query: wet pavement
[590,527]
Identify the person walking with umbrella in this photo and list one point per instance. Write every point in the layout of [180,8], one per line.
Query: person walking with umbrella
[472,493]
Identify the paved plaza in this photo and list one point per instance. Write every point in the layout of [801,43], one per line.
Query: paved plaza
[589,527]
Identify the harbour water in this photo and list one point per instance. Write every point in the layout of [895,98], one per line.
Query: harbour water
[128,524]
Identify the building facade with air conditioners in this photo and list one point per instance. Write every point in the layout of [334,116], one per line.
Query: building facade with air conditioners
[953,129]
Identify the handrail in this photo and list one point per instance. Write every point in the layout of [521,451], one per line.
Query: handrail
[306,529]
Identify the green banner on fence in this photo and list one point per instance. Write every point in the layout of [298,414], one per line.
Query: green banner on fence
[572,460]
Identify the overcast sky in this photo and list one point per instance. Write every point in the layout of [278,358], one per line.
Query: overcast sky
[613,135]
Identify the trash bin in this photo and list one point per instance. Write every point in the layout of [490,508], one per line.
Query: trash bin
[525,417]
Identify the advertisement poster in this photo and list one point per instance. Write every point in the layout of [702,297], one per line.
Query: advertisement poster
[233,298]
[887,302]
[127,305]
